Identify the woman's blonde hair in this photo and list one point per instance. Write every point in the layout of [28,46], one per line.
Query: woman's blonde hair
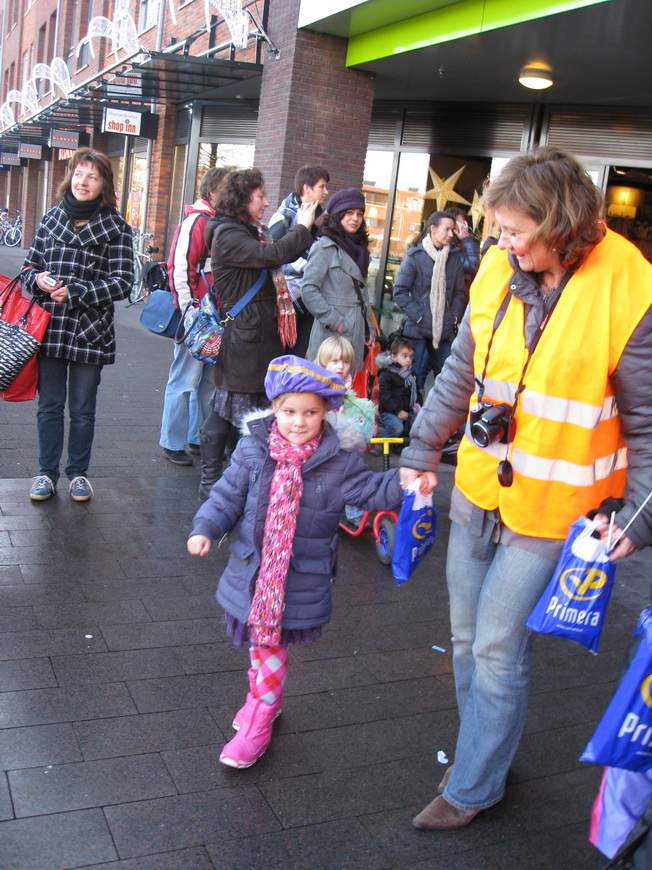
[336,344]
[552,188]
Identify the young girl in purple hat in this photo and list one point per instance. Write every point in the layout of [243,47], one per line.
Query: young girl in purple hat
[288,481]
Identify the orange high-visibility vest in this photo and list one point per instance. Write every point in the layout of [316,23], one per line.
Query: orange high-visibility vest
[567,453]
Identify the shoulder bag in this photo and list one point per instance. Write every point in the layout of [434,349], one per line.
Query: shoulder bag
[22,327]
[203,328]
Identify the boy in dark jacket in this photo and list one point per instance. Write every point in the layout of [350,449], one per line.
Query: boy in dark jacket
[400,400]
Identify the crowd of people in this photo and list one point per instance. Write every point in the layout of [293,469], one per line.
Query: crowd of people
[549,351]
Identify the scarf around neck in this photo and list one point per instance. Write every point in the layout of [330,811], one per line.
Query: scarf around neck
[285,493]
[358,251]
[77,209]
[437,286]
[287,322]
[410,382]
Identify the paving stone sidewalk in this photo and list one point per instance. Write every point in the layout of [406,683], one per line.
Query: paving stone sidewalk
[118,685]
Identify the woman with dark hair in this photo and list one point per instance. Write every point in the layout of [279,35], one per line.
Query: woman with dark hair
[80,263]
[431,291]
[334,286]
[551,367]
[241,247]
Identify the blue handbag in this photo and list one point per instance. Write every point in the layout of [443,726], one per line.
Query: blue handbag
[160,315]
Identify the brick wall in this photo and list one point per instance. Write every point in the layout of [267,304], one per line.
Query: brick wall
[312,108]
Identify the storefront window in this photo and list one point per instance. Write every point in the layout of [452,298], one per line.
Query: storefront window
[175,212]
[239,155]
[136,188]
[629,205]
[117,164]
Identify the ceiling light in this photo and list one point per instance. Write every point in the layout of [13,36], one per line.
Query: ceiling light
[537,77]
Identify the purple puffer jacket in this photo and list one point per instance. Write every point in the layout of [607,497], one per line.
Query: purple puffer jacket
[332,477]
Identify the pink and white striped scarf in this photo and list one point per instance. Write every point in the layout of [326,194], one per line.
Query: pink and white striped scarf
[280,525]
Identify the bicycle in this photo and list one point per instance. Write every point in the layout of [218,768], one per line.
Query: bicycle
[14,235]
[142,285]
[5,224]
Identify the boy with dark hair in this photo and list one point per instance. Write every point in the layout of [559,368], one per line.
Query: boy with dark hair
[400,400]
[309,186]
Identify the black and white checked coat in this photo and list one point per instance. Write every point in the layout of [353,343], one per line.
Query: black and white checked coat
[97,267]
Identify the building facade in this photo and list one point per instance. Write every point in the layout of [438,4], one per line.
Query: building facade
[416,102]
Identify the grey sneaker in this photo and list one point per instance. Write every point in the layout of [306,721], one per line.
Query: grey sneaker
[80,489]
[42,488]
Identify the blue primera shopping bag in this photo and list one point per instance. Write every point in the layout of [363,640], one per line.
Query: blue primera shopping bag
[575,601]
[623,737]
[415,532]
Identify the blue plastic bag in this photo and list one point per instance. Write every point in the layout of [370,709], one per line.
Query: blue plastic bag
[623,737]
[575,601]
[415,532]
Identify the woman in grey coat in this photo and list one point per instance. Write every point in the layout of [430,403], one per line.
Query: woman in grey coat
[334,282]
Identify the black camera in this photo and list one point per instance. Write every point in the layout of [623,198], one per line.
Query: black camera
[491,423]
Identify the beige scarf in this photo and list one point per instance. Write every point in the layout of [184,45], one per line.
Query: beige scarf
[437,286]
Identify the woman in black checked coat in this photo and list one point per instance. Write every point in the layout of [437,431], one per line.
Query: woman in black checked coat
[80,263]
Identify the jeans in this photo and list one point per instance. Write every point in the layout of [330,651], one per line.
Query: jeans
[187,400]
[490,599]
[393,426]
[428,358]
[56,378]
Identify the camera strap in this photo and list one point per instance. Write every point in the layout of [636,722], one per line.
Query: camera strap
[505,470]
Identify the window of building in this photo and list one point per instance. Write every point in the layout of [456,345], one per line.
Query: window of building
[629,205]
[237,154]
[147,14]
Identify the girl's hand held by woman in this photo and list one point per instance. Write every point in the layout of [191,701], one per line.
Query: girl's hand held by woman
[199,545]
[427,479]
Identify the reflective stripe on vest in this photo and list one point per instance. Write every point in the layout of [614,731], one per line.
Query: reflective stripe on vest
[568,454]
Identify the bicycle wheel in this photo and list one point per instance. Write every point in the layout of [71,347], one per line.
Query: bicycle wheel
[13,237]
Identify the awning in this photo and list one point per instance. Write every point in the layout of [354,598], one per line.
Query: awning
[159,77]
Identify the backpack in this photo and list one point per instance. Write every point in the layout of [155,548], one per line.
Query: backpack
[155,276]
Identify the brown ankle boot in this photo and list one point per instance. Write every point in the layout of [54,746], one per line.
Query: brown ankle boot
[441,788]
[442,816]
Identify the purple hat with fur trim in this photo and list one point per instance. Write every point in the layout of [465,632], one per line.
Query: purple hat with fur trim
[293,374]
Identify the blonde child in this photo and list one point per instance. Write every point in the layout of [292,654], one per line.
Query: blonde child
[357,416]
[287,483]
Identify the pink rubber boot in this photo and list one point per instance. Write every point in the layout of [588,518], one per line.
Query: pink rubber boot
[277,706]
[237,719]
[249,743]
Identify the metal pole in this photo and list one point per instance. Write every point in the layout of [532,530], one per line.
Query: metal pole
[150,142]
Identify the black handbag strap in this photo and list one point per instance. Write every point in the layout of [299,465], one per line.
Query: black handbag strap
[8,290]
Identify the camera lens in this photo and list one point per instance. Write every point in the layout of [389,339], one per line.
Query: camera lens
[491,426]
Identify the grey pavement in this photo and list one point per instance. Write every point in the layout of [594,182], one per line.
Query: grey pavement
[118,685]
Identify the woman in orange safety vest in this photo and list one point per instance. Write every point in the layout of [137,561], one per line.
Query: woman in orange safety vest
[551,370]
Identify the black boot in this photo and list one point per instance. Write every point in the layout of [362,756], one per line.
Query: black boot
[212,453]
[216,438]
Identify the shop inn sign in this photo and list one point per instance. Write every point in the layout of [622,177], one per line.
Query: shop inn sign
[126,123]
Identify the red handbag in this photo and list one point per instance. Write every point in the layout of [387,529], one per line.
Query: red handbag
[15,309]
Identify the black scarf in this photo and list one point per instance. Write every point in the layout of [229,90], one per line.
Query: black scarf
[78,210]
[358,251]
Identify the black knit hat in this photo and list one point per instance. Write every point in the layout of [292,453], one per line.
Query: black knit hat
[345,199]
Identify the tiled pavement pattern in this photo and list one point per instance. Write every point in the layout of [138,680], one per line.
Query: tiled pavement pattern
[119,685]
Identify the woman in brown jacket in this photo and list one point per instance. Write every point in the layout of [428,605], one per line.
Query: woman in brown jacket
[240,248]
